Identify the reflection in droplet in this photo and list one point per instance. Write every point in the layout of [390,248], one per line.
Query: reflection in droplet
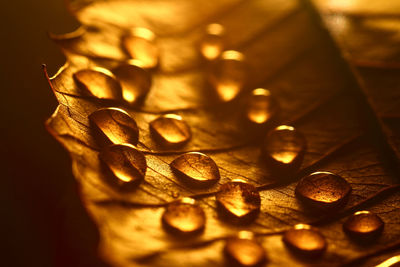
[170,130]
[304,239]
[114,125]
[184,217]
[323,190]
[135,81]
[212,44]
[126,164]
[141,45]
[239,200]
[244,250]
[228,75]
[284,148]
[363,225]
[391,262]
[99,83]
[196,168]
[260,107]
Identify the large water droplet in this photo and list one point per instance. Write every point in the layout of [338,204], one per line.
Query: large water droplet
[305,240]
[391,262]
[261,107]
[127,166]
[140,44]
[284,148]
[228,75]
[323,190]
[99,83]
[239,200]
[196,168]
[244,250]
[170,130]
[135,81]
[363,225]
[184,217]
[114,125]
[212,44]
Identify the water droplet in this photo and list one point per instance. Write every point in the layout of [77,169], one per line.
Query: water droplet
[363,225]
[261,107]
[228,75]
[196,168]
[126,164]
[184,217]
[140,44]
[391,262]
[212,45]
[323,190]
[243,250]
[99,83]
[170,130]
[305,240]
[114,125]
[239,200]
[284,149]
[135,81]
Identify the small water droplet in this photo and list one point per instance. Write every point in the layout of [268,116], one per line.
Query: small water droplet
[184,217]
[175,194]
[135,81]
[305,240]
[228,75]
[244,250]
[363,225]
[196,168]
[127,165]
[261,107]
[391,262]
[284,149]
[212,44]
[170,130]
[323,190]
[140,44]
[99,83]
[239,200]
[114,125]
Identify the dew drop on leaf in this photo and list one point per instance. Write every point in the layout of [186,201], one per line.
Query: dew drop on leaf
[170,130]
[99,83]
[140,44]
[114,125]
[305,240]
[184,217]
[212,44]
[391,262]
[363,225]
[260,107]
[126,164]
[323,190]
[228,75]
[135,81]
[196,169]
[244,250]
[239,200]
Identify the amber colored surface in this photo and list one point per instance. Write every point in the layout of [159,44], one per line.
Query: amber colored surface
[391,262]
[305,240]
[363,225]
[170,130]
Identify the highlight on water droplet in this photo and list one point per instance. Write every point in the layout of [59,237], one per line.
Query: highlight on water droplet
[323,190]
[170,130]
[184,217]
[244,250]
[228,75]
[98,82]
[114,125]
[305,240]
[125,164]
[260,106]
[140,44]
[284,149]
[239,201]
[212,44]
[196,169]
[391,262]
[363,226]
[135,81]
